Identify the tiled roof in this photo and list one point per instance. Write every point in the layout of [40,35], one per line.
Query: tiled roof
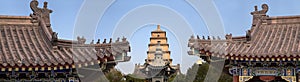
[150,71]
[28,41]
[26,45]
[269,37]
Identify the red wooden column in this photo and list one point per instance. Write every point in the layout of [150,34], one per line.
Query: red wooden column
[235,78]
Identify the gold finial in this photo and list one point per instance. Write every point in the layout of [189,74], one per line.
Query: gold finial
[158,27]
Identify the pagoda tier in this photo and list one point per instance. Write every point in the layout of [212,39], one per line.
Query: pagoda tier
[31,51]
[158,65]
[268,50]
[156,73]
[158,36]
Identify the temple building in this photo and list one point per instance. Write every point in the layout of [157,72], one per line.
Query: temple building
[31,51]
[158,65]
[269,52]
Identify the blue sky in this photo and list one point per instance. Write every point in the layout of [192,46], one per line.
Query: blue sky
[235,15]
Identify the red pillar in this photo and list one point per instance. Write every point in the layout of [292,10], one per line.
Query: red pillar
[235,78]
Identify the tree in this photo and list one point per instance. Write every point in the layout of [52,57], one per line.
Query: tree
[201,72]
[132,78]
[196,73]
[177,78]
[225,77]
[115,76]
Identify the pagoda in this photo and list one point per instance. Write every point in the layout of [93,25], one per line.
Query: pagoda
[158,65]
[31,51]
[270,50]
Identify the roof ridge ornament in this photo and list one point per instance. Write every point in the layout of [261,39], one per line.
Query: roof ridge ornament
[192,38]
[248,35]
[118,39]
[264,10]
[104,41]
[81,40]
[40,13]
[54,38]
[41,16]
[92,42]
[228,36]
[198,37]
[123,39]
[218,37]
[259,15]
[98,42]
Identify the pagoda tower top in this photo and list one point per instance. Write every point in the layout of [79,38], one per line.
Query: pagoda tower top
[158,28]
[158,43]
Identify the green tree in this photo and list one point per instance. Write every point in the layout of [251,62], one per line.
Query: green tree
[201,72]
[225,77]
[115,76]
[133,78]
[177,78]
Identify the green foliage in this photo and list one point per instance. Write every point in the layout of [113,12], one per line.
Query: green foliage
[225,78]
[201,72]
[198,73]
[115,76]
[203,69]
[131,78]
[177,78]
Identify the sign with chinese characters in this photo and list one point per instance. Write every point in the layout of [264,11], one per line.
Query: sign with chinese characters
[269,72]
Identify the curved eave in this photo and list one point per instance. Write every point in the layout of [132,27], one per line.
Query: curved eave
[248,58]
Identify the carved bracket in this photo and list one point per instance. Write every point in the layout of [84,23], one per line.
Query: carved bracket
[289,78]
[245,78]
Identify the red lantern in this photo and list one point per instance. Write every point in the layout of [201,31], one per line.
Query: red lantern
[267,78]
